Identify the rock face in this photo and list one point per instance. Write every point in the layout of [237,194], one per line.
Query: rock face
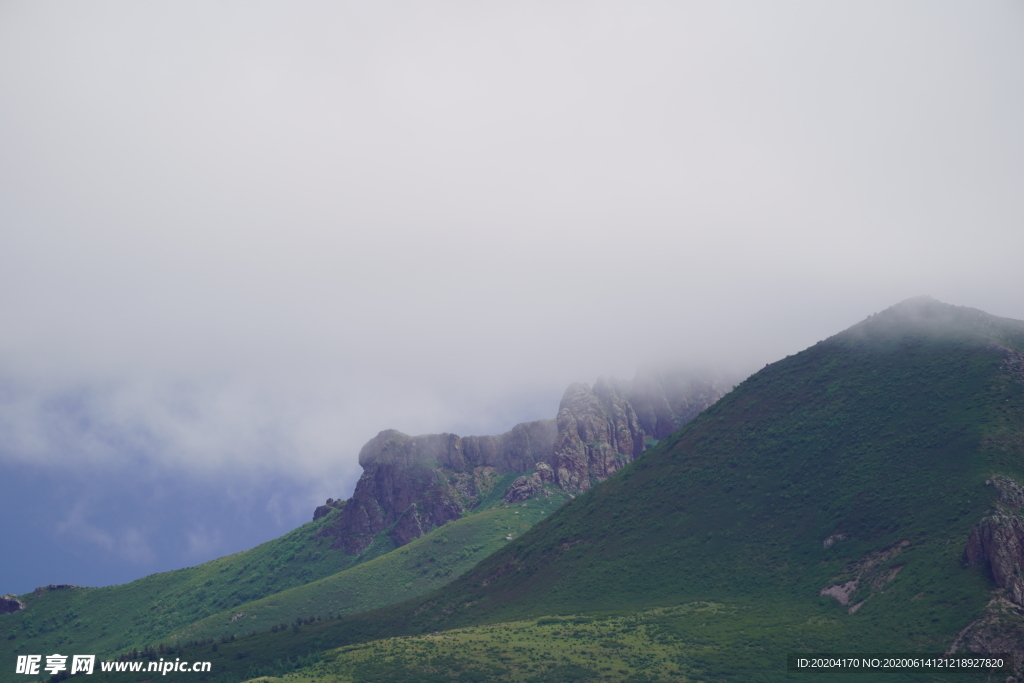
[413,484]
[999,539]
[527,487]
[602,429]
[598,434]
[10,603]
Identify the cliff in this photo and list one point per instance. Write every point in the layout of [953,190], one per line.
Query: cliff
[598,433]
[412,484]
[998,539]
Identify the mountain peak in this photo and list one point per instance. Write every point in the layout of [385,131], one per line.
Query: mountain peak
[924,317]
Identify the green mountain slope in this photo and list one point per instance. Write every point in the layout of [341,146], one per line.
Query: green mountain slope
[883,435]
[173,607]
[410,486]
[422,565]
[825,503]
[115,618]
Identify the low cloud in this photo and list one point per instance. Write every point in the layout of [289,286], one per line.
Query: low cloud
[126,542]
[237,241]
[203,543]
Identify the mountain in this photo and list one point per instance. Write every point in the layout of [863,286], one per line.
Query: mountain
[454,493]
[861,496]
[424,564]
[114,618]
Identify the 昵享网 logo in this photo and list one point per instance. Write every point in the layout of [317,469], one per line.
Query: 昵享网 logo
[85,664]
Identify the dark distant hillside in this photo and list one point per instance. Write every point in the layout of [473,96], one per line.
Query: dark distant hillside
[861,496]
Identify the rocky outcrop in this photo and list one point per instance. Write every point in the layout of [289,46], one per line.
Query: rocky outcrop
[326,508]
[598,434]
[10,603]
[998,631]
[999,539]
[602,429]
[412,484]
[527,487]
[867,577]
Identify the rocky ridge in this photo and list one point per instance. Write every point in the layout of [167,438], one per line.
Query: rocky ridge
[999,539]
[413,484]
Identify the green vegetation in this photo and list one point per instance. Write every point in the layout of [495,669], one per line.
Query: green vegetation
[294,579]
[879,439]
[699,641]
[420,566]
[608,647]
[112,619]
[862,459]
[691,642]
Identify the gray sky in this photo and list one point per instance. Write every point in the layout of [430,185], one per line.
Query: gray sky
[241,238]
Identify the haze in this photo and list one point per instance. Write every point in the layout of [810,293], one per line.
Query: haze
[239,239]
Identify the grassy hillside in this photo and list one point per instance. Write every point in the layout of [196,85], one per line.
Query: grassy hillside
[855,468]
[863,458]
[282,630]
[423,565]
[877,439]
[175,607]
[102,620]
[882,437]
[688,642]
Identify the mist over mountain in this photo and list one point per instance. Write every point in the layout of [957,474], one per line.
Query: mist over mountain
[237,241]
[379,546]
[865,494]
[412,485]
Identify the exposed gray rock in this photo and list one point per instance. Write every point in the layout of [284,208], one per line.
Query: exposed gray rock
[866,577]
[412,484]
[527,487]
[418,483]
[598,434]
[999,630]
[831,540]
[1008,492]
[999,539]
[10,603]
[841,591]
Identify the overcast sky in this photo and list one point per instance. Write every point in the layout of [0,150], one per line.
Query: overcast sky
[238,239]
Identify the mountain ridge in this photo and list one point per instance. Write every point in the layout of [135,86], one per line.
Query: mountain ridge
[857,464]
[849,498]
[416,485]
[413,484]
